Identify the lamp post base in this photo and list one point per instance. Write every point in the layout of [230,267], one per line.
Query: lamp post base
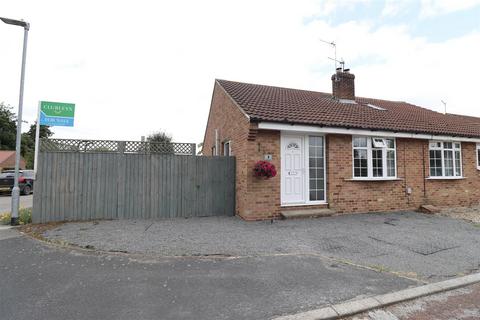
[14,221]
[15,205]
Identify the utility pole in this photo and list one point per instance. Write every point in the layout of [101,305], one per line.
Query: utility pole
[16,190]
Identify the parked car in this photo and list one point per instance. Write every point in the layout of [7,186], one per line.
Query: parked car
[25,181]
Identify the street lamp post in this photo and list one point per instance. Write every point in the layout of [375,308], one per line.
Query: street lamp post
[16,189]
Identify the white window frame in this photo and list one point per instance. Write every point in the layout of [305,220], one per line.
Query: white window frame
[307,169]
[370,146]
[229,143]
[478,158]
[442,151]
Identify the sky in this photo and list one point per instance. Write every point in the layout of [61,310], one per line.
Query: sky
[136,67]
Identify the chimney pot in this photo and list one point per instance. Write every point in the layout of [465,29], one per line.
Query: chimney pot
[343,85]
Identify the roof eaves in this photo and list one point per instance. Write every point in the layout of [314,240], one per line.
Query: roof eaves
[362,127]
[231,98]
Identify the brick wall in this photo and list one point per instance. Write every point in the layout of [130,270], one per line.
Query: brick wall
[232,125]
[348,196]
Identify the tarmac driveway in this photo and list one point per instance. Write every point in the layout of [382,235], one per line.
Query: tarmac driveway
[408,244]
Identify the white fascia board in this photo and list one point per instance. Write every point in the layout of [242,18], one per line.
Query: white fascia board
[358,132]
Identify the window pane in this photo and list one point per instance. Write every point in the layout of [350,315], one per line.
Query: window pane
[435,163]
[377,162]
[448,161]
[458,164]
[478,157]
[360,142]
[360,163]
[391,163]
[390,143]
[226,149]
[447,145]
[316,169]
[378,143]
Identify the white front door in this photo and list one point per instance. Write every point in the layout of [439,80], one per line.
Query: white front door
[293,169]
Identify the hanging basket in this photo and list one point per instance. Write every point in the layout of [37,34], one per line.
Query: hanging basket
[264,169]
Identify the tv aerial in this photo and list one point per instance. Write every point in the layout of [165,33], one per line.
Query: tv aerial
[337,62]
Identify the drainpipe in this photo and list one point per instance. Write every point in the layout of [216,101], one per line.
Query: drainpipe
[424,182]
[216,142]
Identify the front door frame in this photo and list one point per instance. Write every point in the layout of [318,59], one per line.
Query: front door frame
[306,187]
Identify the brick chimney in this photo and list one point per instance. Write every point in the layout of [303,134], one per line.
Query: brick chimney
[343,85]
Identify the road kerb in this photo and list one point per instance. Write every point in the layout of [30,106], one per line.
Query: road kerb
[356,306]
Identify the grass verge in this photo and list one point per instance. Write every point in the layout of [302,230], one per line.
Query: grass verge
[25,216]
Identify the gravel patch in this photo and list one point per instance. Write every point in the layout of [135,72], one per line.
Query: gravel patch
[471,214]
[412,244]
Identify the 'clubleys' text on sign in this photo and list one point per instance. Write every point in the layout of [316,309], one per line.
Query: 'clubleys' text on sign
[57,113]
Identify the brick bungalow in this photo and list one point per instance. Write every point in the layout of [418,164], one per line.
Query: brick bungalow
[7,160]
[339,151]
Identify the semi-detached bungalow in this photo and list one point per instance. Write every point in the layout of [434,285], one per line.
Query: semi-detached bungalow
[339,151]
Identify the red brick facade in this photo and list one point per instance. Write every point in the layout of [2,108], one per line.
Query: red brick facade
[260,198]
[345,195]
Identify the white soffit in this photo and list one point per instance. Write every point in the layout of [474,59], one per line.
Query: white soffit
[359,132]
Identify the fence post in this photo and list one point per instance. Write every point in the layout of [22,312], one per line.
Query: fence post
[121,146]
[194,149]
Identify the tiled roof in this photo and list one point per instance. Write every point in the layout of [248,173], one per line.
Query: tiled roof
[5,154]
[267,103]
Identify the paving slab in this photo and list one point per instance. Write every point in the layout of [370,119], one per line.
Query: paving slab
[463,303]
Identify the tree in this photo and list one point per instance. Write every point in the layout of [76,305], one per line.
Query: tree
[160,142]
[8,127]
[160,137]
[28,143]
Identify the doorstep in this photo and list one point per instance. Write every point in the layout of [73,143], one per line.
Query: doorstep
[306,213]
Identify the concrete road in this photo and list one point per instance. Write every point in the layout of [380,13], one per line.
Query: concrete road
[39,281]
[6,202]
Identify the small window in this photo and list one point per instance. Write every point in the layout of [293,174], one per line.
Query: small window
[478,156]
[213,151]
[445,159]
[379,143]
[375,107]
[226,149]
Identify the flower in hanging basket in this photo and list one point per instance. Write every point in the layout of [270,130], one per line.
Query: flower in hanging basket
[264,169]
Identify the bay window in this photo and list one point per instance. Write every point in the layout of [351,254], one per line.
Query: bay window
[374,157]
[445,159]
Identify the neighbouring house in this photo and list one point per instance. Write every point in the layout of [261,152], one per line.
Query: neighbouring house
[339,151]
[7,160]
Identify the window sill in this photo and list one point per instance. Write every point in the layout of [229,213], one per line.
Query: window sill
[445,178]
[374,179]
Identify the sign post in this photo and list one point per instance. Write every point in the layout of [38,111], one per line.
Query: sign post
[52,114]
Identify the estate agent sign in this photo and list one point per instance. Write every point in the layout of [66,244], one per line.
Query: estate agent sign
[56,113]
[52,114]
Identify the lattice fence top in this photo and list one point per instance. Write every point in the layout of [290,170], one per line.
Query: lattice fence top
[113,146]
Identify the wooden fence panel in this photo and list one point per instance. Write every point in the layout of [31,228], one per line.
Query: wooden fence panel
[75,186]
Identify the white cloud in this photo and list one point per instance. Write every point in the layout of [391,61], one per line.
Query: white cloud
[431,8]
[327,7]
[135,67]
[393,7]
